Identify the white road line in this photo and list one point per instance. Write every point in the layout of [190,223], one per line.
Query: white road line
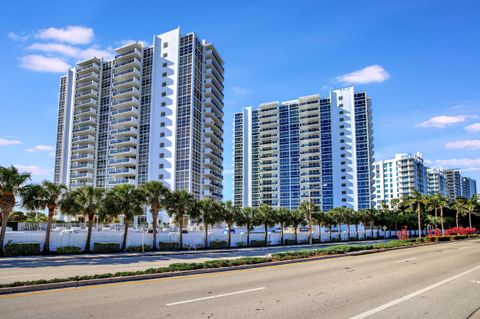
[31,275]
[410,296]
[476,281]
[404,260]
[216,296]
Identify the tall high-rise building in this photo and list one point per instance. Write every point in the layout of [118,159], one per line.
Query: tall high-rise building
[312,148]
[469,187]
[437,184]
[398,177]
[150,113]
[453,178]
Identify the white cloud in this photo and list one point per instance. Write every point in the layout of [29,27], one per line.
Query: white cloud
[473,128]
[6,142]
[463,145]
[443,121]
[240,90]
[470,164]
[41,148]
[18,37]
[122,43]
[71,51]
[34,170]
[70,34]
[42,63]
[370,74]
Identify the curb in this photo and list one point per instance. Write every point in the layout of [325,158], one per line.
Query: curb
[100,281]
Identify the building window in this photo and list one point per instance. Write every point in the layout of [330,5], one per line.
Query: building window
[162,144]
[165,45]
[340,105]
[164,104]
[164,84]
[162,134]
[165,64]
[160,165]
[341,112]
[165,54]
[162,114]
[161,155]
[162,124]
[164,74]
[164,93]
[160,176]
[342,126]
[340,98]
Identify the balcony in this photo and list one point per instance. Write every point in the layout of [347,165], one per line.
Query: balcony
[213,185]
[83,166]
[125,151]
[92,76]
[92,67]
[85,175]
[83,139]
[123,122]
[82,130]
[127,83]
[86,112]
[127,161]
[86,93]
[89,102]
[87,85]
[83,157]
[128,73]
[209,142]
[217,138]
[117,181]
[128,53]
[83,149]
[122,142]
[128,63]
[129,101]
[122,172]
[127,131]
[86,120]
[131,91]
[130,111]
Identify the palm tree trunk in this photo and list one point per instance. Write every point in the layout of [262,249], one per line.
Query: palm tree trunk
[419,222]
[154,225]
[356,232]
[266,234]
[281,239]
[206,236]
[4,230]
[441,220]
[46,246]
[339,232]
[371,229]
[470,219]
[364,231]
[348,232]
[248,234]
[436,216]
[330,235]
[456,218]
[296,234]
[180,234]
[229,235]
[320,233]
[310,239]
[89,233]
[125,233]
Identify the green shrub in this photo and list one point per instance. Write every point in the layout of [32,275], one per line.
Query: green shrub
[430,239]
[316,241]
[290,242]
[169,246]
[218,244]
[106,247]
[457,237]
[257,243]
[419,240]
[21,249]
[443,238]
[241,244]
[69,250]
[138,249]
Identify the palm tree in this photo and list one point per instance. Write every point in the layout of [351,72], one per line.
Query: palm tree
[434,205]
[124,200]
[266,218]
[181,204]
[471,208]
[308,208]
[247,217]
[283,218]
[11,185]
[156,194]
[442,202]
[229,214]
[210,214]
[47,195]
[418,201]
[86,201]
[321,219]
[296,218]
[365,217]
[460,206]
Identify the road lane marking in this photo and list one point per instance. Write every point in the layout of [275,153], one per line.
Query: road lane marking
[216,296]
[476,281]
[405,260]
[413,294]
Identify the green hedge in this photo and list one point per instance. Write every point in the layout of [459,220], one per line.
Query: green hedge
[290,242]
[443,238]
[138,249]
[106,247]
[169,246]
[257,243]
[241,244]
[21,249]
[218,244]
[69,250]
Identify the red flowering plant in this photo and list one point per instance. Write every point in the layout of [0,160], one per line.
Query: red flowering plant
[402,234]
[433,232]
[460,231]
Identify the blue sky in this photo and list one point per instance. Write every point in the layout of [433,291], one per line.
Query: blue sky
[419,60]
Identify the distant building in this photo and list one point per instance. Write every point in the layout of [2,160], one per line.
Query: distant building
[454,183]
[469,187]
[311,148]
[398,177]
[436,182]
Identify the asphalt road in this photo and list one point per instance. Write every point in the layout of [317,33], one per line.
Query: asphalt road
[438,281]
[47,267]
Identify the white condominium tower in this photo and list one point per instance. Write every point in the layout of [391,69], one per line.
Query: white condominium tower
[150,113]
[437,183]
[453,179]
[398,177]
[312,148]
[469,187]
